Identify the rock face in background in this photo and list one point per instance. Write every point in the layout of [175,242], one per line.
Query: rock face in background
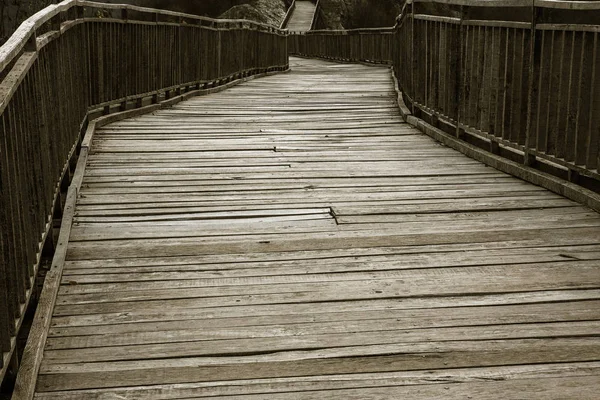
[352,14]
[13,12]
[335,14]
[265,11]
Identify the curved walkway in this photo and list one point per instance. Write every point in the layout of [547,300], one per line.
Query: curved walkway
[292,238]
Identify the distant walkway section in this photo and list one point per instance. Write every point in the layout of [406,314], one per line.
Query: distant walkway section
[302,16]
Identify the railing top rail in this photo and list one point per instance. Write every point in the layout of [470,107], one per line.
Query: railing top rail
[557,4]
[570,5]
[387,29]
[96,4]
[288,14]
[577,15]
[19,38]
[562,4]
[15,44]
[313,22]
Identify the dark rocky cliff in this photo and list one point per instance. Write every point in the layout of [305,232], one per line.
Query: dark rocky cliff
[335,14]
[13,12]
[352,14]
[265,11]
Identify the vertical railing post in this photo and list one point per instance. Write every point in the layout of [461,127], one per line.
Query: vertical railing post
[5,320]
[460,80]
[126,54]
[154,43]
[412,56]
[219,53]
[529,159]
[79,12]
[179,35]
[99,37]
[31,44]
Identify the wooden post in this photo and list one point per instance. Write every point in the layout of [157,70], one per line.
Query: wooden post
[412,56]
[219,66]
[574,176]
[460,78]
[79,12]
[530,159]
[31,44]
[13,364]
[5,342]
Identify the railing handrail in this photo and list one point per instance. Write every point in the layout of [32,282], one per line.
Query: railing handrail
[24,33]
[385,29]
[86,3]
[18,40]
[561,4]
[288,15]
[313,22]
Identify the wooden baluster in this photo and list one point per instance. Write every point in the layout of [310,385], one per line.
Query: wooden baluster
[22,229]
[503,60]
[593,142]
[5,315]
[570,136]
[9,215]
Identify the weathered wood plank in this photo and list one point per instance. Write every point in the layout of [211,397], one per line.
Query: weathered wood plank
[403,383]
[361,359]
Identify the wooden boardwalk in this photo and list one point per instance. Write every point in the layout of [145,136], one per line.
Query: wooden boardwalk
[302,16]
[292,238]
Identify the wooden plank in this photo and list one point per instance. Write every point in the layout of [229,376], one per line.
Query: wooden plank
[366,318]
[530,376]
[260,289]
[378,358]
[314,309]
[173,344]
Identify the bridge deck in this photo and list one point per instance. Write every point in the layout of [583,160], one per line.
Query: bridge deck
[292,238]
[302,16]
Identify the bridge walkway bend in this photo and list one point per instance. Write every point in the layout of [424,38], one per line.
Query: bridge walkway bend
[292,238]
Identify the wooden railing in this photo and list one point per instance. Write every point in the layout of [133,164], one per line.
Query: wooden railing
[315,19]
[369,44]
[520,78]
[77,58]
[288,15]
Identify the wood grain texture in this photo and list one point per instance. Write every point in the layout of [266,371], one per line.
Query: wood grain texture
[292,237]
